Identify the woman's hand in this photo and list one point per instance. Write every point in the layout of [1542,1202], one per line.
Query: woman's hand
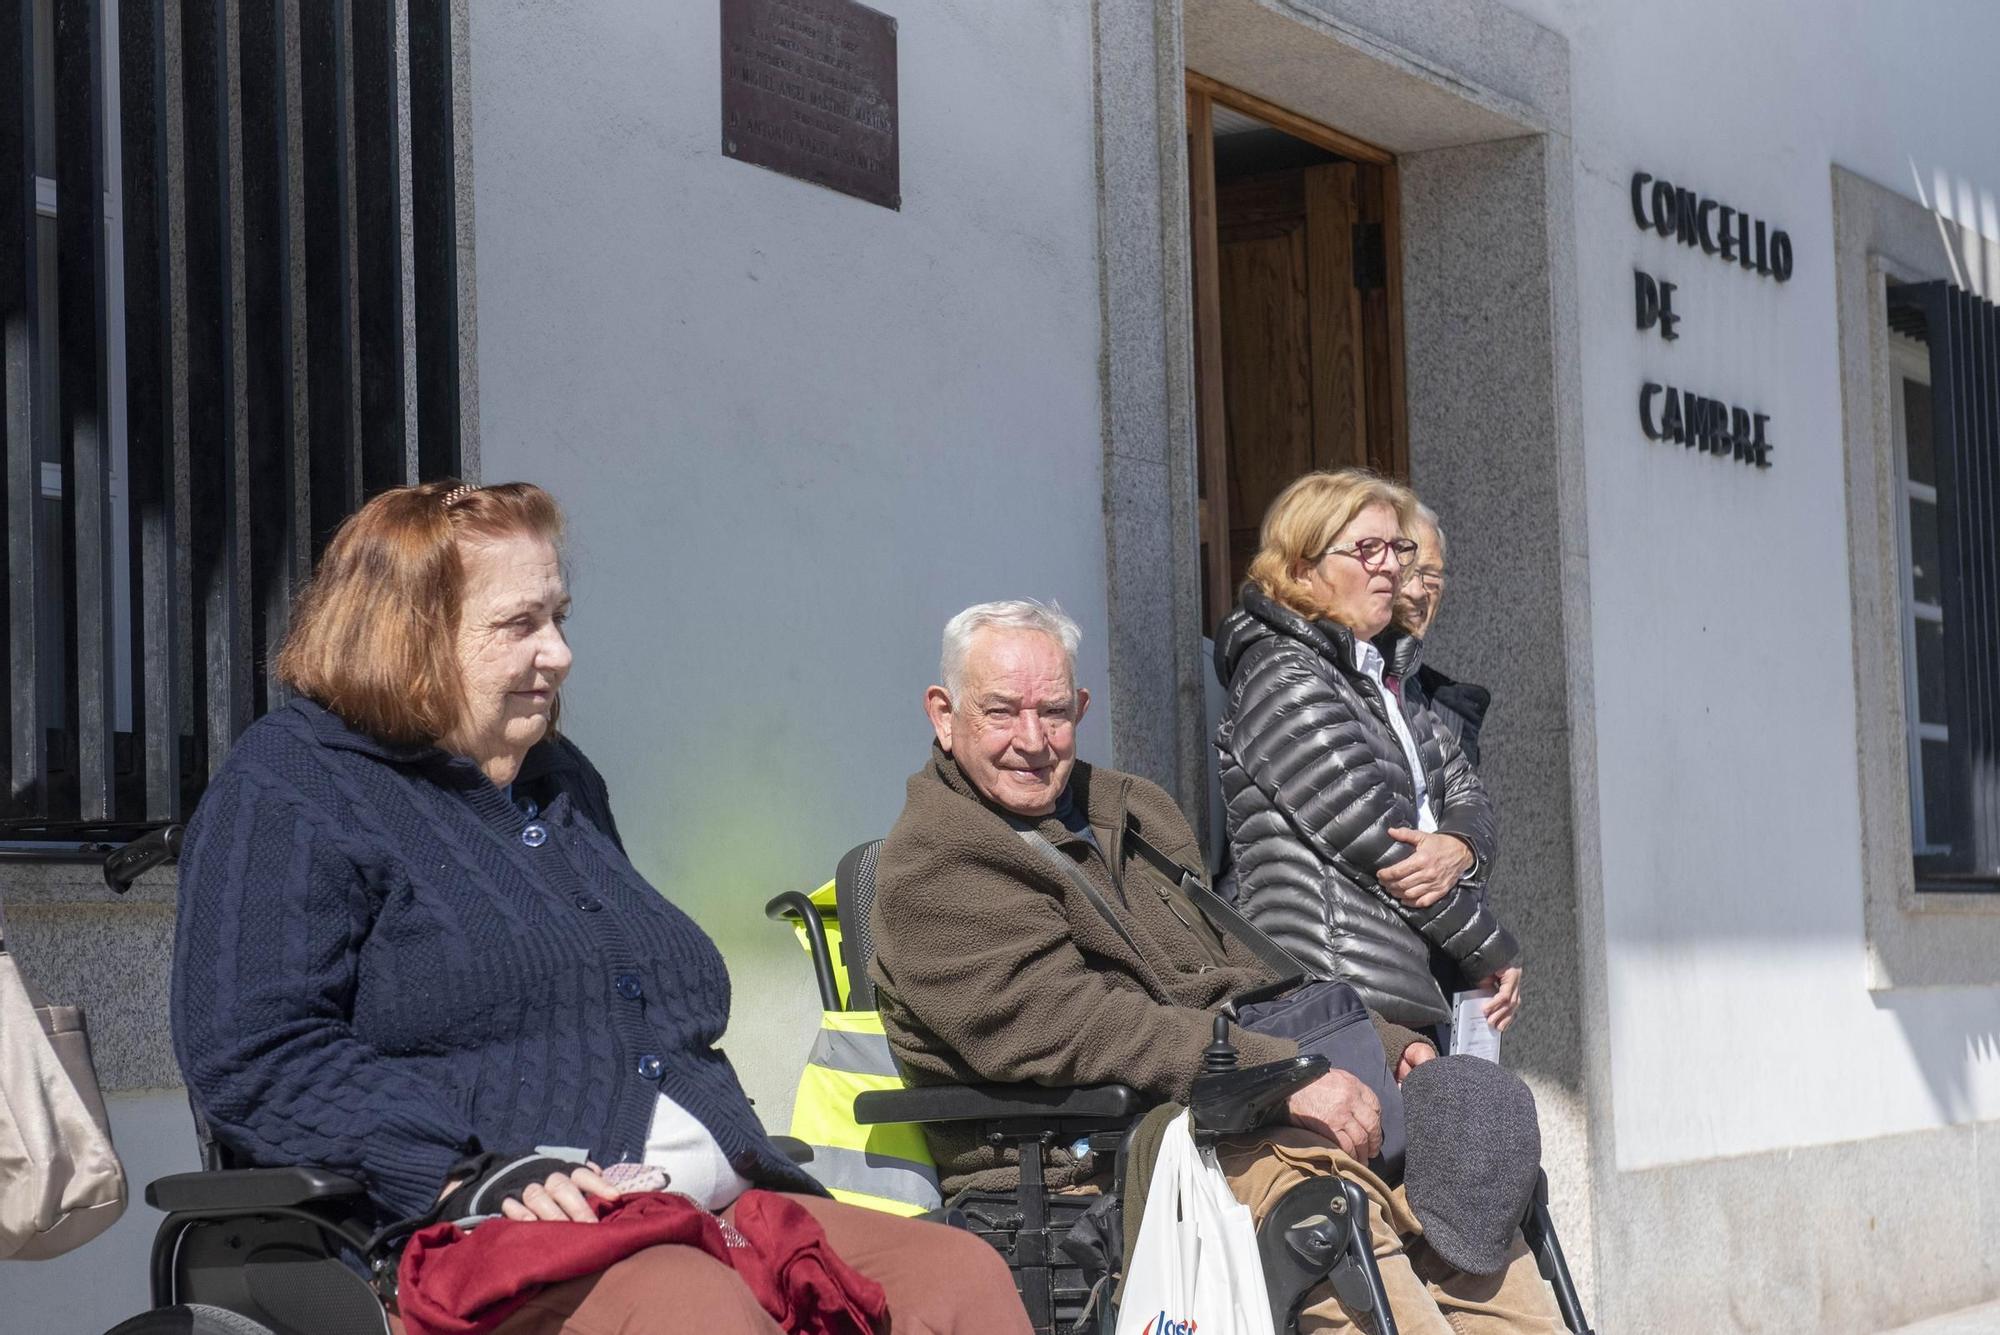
[1438,863]
[1413,1056]
[1505,1003]
[560,1197]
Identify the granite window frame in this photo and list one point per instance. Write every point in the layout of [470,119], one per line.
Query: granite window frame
[1929,938]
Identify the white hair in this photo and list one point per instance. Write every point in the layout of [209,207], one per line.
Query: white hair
[1429,519]
[1015,614]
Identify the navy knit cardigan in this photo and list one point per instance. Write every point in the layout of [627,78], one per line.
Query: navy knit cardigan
[383,965]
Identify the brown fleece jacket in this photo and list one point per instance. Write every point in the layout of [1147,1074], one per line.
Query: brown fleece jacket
[992,966]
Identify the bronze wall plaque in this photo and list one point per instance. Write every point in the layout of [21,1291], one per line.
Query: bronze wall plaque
[809,89]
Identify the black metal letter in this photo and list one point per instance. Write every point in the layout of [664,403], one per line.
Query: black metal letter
[1701,225]
[1671,426]
[1781,254]
[1646,296]
[1663,207]
[1639,180]
[1686,204]
[1646,393]
[1728,246]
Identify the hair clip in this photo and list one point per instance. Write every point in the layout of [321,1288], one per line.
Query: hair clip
[457,494]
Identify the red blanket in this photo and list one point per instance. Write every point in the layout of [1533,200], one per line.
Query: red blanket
[458,1282]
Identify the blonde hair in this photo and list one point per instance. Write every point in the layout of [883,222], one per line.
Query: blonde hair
[374,635]
[1304,521]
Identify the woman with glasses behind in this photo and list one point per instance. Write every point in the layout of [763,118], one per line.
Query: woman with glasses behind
[1460,706]
[1359,832]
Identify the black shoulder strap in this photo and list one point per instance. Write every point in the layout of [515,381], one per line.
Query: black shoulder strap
[1217,909]
[1081,880]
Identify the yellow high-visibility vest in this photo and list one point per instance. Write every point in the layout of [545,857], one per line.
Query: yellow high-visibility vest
[885,1167]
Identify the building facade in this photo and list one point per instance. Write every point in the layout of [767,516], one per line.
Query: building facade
[1678,315]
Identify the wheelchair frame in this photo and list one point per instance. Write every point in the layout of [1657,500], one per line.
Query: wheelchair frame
[1004,1114]
[266,1244]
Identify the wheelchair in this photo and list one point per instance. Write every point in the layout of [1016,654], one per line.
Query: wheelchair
[1318,1232]
[296,1250]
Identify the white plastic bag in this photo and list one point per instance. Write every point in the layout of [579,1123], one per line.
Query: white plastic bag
[1195,1269]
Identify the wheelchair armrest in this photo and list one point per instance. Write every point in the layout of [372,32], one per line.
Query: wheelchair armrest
[992,1103]
[1232,1102]
[233,1189]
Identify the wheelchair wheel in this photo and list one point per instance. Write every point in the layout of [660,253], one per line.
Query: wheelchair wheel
[189,1319]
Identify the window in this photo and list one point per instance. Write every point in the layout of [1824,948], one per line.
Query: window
[1945,416]
[1928,924]
[209,360]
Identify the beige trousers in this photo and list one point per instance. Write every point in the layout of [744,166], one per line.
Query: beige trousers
[1427,1296]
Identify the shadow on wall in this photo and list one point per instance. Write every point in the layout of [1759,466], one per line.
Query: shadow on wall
[1953,1034]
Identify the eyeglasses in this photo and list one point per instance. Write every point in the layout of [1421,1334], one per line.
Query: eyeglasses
[1371,552]
[1431,577]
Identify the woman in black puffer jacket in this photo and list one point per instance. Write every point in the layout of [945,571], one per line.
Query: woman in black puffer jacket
[1359,833]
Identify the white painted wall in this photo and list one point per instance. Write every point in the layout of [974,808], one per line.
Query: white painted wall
[1724,687]
[793,432]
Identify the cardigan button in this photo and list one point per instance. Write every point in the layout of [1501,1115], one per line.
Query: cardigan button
[535,834]
[628,987]
[588,903]
[650,1067]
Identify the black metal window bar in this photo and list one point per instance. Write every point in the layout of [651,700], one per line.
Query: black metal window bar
[1961,332]
[229,305]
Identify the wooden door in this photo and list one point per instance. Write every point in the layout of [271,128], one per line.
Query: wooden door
[1290,322]
[1297,326]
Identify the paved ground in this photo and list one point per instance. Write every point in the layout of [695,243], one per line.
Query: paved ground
[1981,1320]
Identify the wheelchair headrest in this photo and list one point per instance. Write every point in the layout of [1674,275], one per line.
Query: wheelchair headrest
[854,894]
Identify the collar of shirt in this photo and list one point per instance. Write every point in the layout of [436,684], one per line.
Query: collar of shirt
[1367,658]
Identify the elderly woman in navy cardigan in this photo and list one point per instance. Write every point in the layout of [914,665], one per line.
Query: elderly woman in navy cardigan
[409,937]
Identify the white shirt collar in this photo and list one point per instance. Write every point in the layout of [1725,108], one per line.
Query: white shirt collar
[1367,658]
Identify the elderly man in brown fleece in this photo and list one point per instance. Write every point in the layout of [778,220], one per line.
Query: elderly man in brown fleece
[993,964]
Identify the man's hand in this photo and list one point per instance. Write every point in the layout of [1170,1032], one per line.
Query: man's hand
[1506,1001]
[1414,1056]
[1342,1109]
[1428,874]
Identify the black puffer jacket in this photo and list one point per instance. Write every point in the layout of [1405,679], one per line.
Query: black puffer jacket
[1313,780]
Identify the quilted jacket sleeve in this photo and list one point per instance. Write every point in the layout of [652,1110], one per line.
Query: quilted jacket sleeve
[1465,808]
[1477,939]
[272,916]
[1300,741]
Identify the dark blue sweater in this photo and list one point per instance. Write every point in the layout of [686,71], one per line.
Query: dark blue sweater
[384,965]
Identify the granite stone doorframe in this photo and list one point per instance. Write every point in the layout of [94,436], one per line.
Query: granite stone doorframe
[1473,99]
